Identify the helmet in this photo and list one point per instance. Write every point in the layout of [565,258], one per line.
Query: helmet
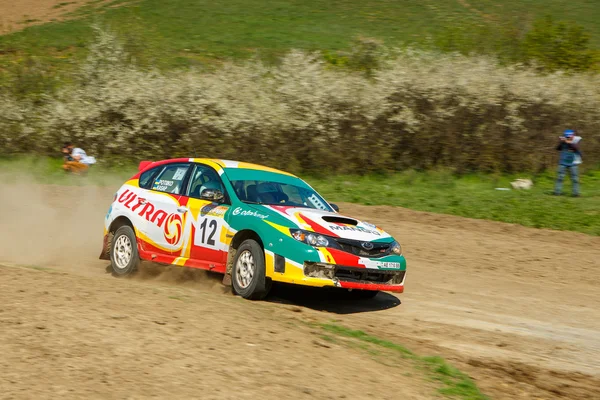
[569,133]
[214,185]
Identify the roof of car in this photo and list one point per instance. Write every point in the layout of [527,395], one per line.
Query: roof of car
[220,164]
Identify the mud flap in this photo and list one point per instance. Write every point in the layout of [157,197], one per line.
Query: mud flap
[227,279]
[230,258]
[106,247]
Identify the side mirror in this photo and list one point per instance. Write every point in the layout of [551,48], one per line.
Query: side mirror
[212,195]
[335,207]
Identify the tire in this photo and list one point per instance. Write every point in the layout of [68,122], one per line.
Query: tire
[124,256]
[248,273]
[363,294]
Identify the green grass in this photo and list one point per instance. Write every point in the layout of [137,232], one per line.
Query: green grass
[472,196]
[455,383]
[45,170]
[475,196]
[195,32]
[360,335]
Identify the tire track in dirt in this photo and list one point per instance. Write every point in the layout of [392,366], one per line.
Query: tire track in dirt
[518,304]
[517,308]
[63,335]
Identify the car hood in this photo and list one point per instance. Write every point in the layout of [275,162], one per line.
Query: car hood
[328,223]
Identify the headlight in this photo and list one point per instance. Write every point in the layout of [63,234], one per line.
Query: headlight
[311,238]
[396,248]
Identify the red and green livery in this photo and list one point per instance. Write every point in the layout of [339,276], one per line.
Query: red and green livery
[255,224]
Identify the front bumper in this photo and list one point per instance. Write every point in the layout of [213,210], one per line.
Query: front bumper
[319,274]
[372,286]
[390,280]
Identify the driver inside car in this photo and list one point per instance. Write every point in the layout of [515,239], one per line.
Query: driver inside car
[200,187]
[269,193]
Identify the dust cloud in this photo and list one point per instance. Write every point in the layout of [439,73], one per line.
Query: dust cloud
[49,224]
[61,227]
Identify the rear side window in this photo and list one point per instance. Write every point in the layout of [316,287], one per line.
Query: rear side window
[146,178]
[171,179]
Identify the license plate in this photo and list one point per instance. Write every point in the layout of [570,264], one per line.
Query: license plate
[389,265]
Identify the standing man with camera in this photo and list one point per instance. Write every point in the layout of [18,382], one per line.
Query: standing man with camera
[570,158]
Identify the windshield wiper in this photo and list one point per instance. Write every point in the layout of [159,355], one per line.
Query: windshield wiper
[252,202]
[288,205]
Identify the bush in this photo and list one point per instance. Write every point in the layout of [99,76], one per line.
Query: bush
[559,46]
[420,110]
[545,44]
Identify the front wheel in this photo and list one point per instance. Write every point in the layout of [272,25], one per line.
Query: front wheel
[124,257]
[248,275]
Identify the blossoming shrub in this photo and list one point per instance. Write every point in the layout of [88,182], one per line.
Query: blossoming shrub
[420,110]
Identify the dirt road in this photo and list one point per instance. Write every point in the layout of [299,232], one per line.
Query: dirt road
[515,308]
[19,14]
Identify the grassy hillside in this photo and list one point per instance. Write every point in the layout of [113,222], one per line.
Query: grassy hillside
[183,32]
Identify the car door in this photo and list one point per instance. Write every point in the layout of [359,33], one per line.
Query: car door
[207,245]
[164,232]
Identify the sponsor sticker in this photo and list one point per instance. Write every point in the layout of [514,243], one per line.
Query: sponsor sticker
[163,185]
[353,229]
[171,224]
[109,212]
[213,210]
[248,213]
[179,174]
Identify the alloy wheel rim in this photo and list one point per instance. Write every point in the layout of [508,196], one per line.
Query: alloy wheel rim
[123,251]
[245,268]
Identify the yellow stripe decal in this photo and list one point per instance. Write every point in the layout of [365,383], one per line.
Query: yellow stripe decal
[283,229]
[245,165]
[305,226]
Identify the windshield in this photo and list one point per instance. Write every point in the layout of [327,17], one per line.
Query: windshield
[280,194]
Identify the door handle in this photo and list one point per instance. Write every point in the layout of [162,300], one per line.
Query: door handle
[142,200]
[182,209]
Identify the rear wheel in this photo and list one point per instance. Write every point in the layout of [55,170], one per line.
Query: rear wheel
[248,274]
[124,257]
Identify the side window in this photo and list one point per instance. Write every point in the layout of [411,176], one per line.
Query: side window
[171,179]
[204,177]
[146,177]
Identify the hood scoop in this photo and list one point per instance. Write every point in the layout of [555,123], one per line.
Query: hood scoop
[340,220]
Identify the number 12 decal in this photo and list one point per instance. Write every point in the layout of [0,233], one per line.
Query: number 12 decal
[212,226]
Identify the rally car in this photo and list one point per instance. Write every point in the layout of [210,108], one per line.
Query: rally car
[254,224]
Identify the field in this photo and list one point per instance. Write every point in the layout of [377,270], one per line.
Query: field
[189,32]
[472,196]
[475,196]
[502,294]
[472,323]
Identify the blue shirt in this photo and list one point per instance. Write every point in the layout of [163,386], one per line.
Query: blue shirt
[568,153]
